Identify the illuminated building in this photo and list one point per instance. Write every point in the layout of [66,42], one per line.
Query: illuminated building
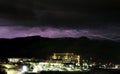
[66,58]
[15,60]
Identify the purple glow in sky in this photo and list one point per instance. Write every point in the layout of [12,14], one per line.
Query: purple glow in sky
[57,19]
[53,32]
[50,32]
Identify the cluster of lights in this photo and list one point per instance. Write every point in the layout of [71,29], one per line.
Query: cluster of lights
[55,67]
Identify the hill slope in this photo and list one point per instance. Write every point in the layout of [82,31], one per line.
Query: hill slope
[43,47]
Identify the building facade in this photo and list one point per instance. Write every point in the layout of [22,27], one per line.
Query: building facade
[66,58]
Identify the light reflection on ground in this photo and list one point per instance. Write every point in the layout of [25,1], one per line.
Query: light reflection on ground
[13,71]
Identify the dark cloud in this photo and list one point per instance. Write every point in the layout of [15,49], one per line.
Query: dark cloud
[62,10]
[99,16]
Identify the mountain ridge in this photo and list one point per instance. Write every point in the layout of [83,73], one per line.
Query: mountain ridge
[40,37]
[40,47]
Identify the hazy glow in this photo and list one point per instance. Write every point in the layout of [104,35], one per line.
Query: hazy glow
[25,68]
[12,32]
[12,71]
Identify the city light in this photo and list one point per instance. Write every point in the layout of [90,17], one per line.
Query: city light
[24,68]
[59,62]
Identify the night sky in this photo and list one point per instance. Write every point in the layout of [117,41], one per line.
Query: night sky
[60,18]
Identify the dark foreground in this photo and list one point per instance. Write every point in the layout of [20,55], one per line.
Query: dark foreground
[95,71]
[90,72]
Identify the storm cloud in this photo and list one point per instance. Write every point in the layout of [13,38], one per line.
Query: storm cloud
[61,18]
[52,32]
